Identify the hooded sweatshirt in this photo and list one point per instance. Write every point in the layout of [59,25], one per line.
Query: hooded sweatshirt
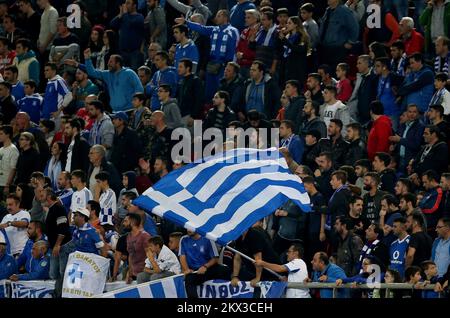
[378,137]
[28,67]
[172,113]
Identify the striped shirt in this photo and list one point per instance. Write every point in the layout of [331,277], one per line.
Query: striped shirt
[108,206]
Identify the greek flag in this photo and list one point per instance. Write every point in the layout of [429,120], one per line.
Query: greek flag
[170,287]
[223,195]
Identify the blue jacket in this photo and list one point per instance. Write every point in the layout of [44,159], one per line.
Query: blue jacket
[296,148]
[121,85]
[433,256]
[432,206]
[342,27]
[413,139]
[167,76]
[418,88]
[237,14]
[385,93]
[8,266]
[333,273]
[25,257]
[39,269]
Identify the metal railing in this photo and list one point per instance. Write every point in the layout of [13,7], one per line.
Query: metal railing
[386,287]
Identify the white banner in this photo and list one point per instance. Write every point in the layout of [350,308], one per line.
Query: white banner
[3,288]
[85,275]
[32,289]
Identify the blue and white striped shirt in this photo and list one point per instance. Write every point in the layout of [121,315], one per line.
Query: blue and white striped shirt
[108,206]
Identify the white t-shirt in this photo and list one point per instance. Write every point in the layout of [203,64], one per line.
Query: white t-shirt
[166,260]
[297,273]
[17,237]
[80,199]
[330,112]
[8,161]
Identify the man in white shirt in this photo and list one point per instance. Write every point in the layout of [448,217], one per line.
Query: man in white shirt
[106,197]
[15,224]
[82,195]
[296,269]
[333,108]
[8,159]
[161,262]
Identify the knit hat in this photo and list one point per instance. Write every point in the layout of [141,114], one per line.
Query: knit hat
[99,28]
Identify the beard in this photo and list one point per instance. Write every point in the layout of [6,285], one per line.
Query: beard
[367,187]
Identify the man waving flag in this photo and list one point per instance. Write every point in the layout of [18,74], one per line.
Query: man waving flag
[223,195]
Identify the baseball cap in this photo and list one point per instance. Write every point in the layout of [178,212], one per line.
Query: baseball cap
[392,218]
[83,211]
[120,115]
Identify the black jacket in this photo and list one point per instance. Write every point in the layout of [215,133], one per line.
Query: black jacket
[189,100]
[126,150]
[211,117]
[324,186]
[8,108]
[27,163]
[337,149]
[367,92]
[235,89]
[436,159]
[294,111]
[339,204]
[80,152]
[388,180]
[356,150]
[314,124]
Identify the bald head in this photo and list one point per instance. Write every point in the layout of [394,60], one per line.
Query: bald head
[90,98]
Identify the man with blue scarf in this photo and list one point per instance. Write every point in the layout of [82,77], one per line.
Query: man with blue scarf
[224,39]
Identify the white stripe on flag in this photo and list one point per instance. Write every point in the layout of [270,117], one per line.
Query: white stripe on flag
[187,177]
[258,201]
[145,292]
[170,290]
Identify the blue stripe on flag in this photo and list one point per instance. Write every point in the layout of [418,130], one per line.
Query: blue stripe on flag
[179,286]
[157,290]
[132,293]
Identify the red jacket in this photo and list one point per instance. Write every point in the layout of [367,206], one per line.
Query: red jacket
[379,136]
[415,43]
[344,90]
[248,54]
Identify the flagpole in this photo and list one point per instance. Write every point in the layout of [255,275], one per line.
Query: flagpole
[252,260]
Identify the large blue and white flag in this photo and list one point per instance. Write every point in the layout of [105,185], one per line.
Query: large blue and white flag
[272,289]
[222,196]
[170,287]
